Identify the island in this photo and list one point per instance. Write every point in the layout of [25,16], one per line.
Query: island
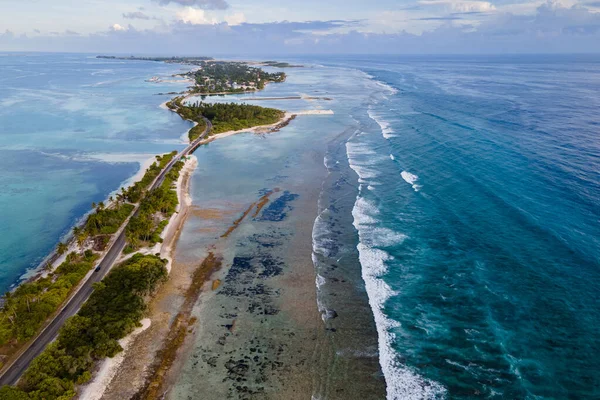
[225,77]
[174,60]
[130,225]
[278,64]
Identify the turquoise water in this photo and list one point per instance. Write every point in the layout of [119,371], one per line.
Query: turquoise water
[478,211]
[475,199]
[72,130]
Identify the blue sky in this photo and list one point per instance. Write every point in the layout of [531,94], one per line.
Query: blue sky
[308,26]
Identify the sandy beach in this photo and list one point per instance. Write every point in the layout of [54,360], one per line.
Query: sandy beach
[107,370]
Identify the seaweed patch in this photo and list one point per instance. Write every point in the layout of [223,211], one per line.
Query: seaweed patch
[278,209]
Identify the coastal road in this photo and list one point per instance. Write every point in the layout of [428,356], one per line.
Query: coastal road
[12,373]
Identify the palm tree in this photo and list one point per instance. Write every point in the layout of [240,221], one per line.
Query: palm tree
[93,205]
[81,238]
[62,248]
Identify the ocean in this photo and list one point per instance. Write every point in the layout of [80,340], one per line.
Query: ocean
[73,129]
[461,200]
[477,214]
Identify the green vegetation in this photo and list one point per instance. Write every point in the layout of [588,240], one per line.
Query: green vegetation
[114,310]
[224,116]
[230,77]
[25,310]
[197,130]
[221,76]
[106,221]
[186,112]
[136,191]
[154,212]
[278,64]
[233,116]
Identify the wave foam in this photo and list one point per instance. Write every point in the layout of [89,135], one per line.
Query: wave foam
[320,281]
[401,381]
[386,130]
[389,88]
[411,179]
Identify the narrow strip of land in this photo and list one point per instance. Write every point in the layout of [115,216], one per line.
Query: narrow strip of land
[13,371]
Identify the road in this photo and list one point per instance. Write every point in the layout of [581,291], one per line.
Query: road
[12,373]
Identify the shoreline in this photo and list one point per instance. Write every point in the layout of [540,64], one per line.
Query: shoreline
[138,360]
[108,368]
[51,261]
[270,128]
[162,342]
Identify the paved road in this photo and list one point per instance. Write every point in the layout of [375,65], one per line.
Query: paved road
[11,375]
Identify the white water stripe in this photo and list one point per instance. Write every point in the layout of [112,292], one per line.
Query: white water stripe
[402,382]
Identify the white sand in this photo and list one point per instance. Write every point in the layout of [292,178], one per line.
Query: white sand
[315,112]
[109,367]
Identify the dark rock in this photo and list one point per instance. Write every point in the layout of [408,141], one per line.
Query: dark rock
[330,314]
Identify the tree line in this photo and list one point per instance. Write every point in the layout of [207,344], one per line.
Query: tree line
[31,303]
[155,210]
[234,116]
[113,310]
[26,309]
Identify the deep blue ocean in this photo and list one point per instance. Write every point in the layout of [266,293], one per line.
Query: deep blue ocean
[478,215]
[478,207]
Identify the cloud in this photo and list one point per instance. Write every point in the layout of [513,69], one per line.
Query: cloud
[69,32]
[117,28]
[451,18]
[136,15]
[552,28]
[7,35]
[461,6]
[194,16]
[203,4]
[235,19]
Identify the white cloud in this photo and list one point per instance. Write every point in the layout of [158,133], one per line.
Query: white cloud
[194,16]
[205,4]
[235,19]
[531,7]
[553,28]
[461,6]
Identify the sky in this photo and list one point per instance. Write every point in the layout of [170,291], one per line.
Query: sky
[223,27]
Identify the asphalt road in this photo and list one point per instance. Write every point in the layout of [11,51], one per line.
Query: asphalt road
[12,373]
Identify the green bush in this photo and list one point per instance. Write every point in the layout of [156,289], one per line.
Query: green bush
[28,307]
[114,310]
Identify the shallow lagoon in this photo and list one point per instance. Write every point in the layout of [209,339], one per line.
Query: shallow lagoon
[72,130]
